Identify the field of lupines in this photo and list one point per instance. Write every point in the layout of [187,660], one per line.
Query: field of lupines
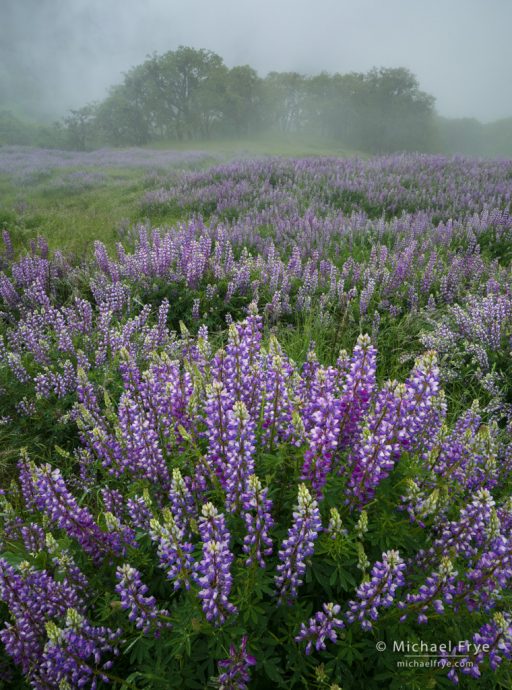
[268,445]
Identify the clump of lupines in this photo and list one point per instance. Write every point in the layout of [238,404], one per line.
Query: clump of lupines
[321,626]
[333,413]
[32,597]
[132,590]
[51,655]
[474,339]
[379,592]
[405,417]
[52,497]
[174,551]
[168,426]
[72,656]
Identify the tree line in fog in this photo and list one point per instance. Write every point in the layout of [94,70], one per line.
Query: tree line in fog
[190,94]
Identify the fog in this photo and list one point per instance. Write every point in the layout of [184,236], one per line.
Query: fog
[59,54]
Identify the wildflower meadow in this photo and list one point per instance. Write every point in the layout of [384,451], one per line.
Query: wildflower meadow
[259,435]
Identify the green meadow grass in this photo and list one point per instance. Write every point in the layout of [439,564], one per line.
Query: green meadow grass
[71,220]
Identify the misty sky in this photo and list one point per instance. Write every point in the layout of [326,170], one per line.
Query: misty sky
[70,51]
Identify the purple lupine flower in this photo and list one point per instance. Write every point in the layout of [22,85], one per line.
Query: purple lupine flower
[423,413]
[54,499]
[9,249]
[437,591]
[13,361]
[143,610]
[321,626]
[405,417]
[323,438]
[113,501]
[26,407]
[496,639]
[182,502]
[386,577]
[8,292]
[239,366]
[174,552]
[216,410]
[93,428]
[213,571]
[60,384]
[373,456]
[488,576]
[366,296]
[139,512]
[236,675]
[142,452]
[32,597]
[120,533]
[164,393]
[258,521]
[358,388]
[73,654]
[25,479]
[298,546]
[468,453]
[33,537]
[278,408]
[241,443]
[471,531]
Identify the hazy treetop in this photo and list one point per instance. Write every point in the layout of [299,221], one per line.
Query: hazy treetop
[63,53]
